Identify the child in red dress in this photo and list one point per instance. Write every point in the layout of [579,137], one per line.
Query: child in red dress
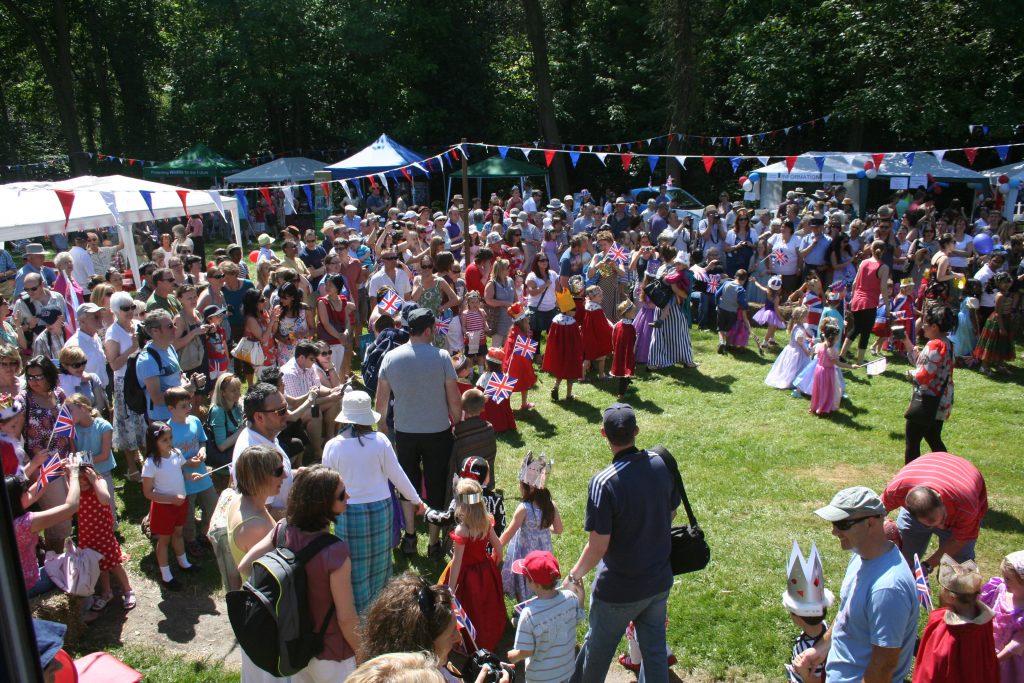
[498,414]
[96,531]
[597,332]
[624,346]
[563,355]
[517,366]
[473,574]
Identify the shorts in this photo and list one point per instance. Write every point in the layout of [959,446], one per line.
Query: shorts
[424,459]
[726,319]
[165,518]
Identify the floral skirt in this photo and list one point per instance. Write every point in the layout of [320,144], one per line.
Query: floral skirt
[129,427]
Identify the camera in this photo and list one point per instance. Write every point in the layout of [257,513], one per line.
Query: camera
[484,660]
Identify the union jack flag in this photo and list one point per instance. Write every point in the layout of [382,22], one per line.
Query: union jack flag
[499,387]
[390,303]
[441,325]
[780,257]
[713,281]
[462,619]
[521,606]
[619,254]
[525,347]
[65,423]
[52,469]
[924,591]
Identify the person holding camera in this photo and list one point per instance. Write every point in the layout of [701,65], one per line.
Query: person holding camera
[302,384]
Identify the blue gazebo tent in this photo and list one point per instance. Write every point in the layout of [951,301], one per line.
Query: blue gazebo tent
[382,156]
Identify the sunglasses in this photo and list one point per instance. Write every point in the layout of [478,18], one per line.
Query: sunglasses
[279,471]
[215,276]
[325,354]
[390,258]
[280,412]
[341,496]
[32,289]
[80,364]
[847,524]
[127,307]
[33,378]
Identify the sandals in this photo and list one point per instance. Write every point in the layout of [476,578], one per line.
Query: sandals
[99,603]
[527,406]
[128,601]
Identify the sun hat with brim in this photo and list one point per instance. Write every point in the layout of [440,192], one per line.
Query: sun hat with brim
[437,216]
[357,409]
[350,207]
[265,240]
[87,308]
[33,249]
[213,310]
[852,503]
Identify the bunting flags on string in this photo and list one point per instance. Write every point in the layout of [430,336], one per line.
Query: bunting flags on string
[183,195]
[265,191]
[790,163]
[820,161]
[708,163]
[309,196]
[971,153]
[878,159]
[626,159]
[67,200]
[910,159]
[219,201]
[243,205]
[1002,151]
[574,157]
[503,151]
[735,161]
[549,156]
[652,161]
[108,199]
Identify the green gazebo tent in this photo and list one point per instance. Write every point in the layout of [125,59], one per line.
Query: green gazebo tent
[200,161]
[496,167]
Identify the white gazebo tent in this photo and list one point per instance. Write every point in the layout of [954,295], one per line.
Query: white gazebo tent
[1013,171]
[835,169]
[32,209]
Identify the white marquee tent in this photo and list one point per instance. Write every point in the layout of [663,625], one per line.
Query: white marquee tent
[32,209]
[1014,197]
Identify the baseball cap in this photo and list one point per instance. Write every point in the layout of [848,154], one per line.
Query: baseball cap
[420,319]
[856,501]
[619,420]
[212,310]
[539,566]
[49,315]
[86,309]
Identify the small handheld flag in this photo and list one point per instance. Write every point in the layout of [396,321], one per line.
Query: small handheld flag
[65,423]
[521,606]
[525,347]
[462,619]
[441,325]
[391,303]
[876,367]
[52,469]
[924,591]
[499,387]
[619,254]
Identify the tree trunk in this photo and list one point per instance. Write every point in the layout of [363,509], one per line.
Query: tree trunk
[680,28]
[534,20]
[52,42]
[109,135]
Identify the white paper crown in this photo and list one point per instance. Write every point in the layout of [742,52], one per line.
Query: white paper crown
[805,594]
[534,471]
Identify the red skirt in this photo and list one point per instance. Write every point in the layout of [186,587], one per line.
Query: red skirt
[881,330]
[597,335]
[518,367]
[563,355]
[624,347]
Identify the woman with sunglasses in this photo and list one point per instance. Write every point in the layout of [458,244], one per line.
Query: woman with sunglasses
[13,334]
[259,473]
[260,325]
[73,379]
[330,378]
[295,321]
[100,296]
[317,497]
[121,341]
[43,399]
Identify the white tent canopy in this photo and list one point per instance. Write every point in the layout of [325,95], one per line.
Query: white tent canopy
[1013,171]
[32,209]
[834,170]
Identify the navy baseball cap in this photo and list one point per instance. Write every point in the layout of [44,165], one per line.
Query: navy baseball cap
[619,420]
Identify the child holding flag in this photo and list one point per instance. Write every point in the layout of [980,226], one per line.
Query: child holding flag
[519,352]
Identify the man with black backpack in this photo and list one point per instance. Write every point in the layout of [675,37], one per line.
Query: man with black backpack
[156,367]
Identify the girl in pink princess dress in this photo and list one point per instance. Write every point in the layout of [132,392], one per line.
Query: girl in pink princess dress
[827,389]
[1005,595]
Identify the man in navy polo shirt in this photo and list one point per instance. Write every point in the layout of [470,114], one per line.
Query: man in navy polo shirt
[630,506]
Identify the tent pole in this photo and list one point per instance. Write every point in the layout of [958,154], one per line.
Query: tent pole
[128,240]
[237,225]
[480,190]
[547,184]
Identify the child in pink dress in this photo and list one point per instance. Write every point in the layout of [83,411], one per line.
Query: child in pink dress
[1005,595]
[827,391]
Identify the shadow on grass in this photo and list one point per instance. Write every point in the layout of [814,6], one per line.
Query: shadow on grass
[534,418]
[751,356]
[844,416]
[1003,521]
[693,377]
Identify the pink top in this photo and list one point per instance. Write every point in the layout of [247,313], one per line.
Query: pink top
[27,541]
[867,287]
[318,572]
[1009,620]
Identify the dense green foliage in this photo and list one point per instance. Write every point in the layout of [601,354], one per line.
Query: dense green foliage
[147,80]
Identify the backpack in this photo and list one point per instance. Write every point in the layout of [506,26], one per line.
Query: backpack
[135,397]
[270,614]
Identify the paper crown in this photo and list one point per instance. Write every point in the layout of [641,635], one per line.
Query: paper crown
[805,594]
[576,285]
[534,471]
[907,282]
[517,312]
[960,578]
[565,301]
[10,406]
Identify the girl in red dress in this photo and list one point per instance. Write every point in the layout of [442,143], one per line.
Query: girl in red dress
[597,332]
[624,346]
[96,531]
[499,414]
[515,365]
[473,574]
[563,355]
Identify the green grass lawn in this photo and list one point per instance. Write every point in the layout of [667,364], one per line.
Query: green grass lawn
[756,465]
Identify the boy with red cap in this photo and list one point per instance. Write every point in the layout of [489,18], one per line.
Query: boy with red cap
[546,633]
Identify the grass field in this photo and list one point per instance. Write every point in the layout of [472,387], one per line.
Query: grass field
[756,465]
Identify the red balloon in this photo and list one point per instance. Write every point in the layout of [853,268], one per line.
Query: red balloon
[1003,179]
[868,165]
[743,179]
[253,255]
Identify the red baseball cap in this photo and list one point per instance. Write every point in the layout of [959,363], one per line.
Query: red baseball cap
[539,566]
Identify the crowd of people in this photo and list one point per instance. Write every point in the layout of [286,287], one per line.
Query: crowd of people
[225,383]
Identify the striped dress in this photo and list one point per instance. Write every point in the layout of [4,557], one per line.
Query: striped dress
[804,642]
[670,343]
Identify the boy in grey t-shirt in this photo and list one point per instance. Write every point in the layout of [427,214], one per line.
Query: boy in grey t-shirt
[546,634]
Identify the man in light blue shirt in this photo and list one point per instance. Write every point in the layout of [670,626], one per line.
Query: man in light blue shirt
[872,637]
[814,246]
[34,257]
[157,366]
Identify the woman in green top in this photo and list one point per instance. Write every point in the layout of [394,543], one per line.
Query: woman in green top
[259,472]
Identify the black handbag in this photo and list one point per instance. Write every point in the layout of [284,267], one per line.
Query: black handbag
[690,551]
[658,292]
[924,407]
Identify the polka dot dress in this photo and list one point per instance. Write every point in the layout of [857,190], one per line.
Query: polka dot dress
[96,530]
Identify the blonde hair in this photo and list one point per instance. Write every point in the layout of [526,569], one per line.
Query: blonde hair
[100,291]
[592,290]
[798,315]
[399,667]
[218,389]
[229,268]
[500,265]
[1006,567]
[82,401]
[473,516]
[11,353]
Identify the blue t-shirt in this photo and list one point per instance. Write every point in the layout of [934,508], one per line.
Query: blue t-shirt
[189,437]
[91,439]
[169,372]
[632,500]
[877,606]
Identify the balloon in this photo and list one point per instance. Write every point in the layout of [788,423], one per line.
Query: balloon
[743,180]
[253,255]
[754,177]
[748,186]
[983,243]
[1015,183]
[1004,188]
[861,173]
[1003,179]
[871,173]
[868,165]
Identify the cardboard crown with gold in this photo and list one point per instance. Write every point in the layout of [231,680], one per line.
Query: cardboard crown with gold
[962,578]
[805,594]
[535,470]
[517,312]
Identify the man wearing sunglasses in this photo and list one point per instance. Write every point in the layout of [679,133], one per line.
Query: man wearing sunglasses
[35,255]
[36,298]
[158,368]
[266,415]
[87,338]
[394,274]
[872,637]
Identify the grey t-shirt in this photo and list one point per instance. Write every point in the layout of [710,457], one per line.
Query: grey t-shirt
[417,373]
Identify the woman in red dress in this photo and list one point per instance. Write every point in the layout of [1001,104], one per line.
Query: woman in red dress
[519,366]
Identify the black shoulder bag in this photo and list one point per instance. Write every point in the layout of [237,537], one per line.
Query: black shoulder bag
[924,407]
[658,292]
[690,552]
